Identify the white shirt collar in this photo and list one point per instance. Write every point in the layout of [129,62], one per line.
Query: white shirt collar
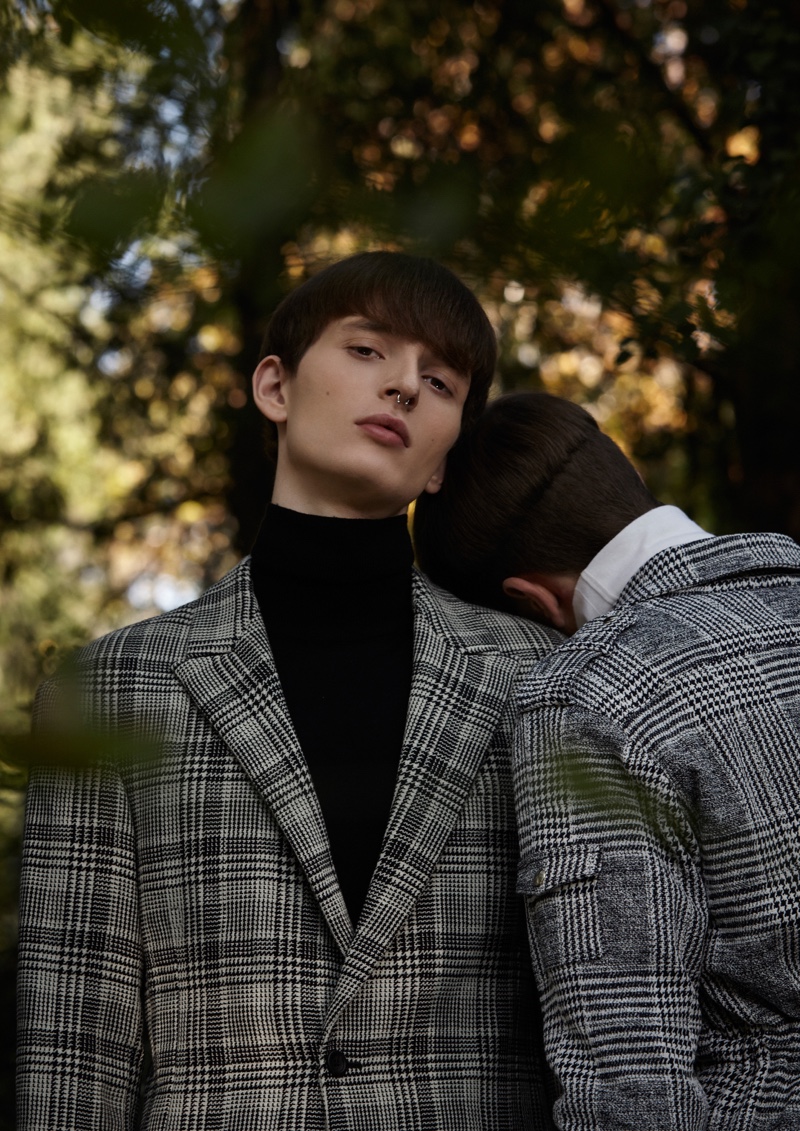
[609,572]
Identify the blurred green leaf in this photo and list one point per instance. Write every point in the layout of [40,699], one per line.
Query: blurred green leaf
[74,750]
[108,212]
[261,184]
[442,209]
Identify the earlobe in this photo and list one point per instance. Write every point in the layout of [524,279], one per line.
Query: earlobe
[434,484]
[269,389]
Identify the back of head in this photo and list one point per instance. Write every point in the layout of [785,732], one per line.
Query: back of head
[413,298]
[535,487]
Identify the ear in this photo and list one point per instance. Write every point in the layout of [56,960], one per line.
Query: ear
[434,484]
[269,389]
[539,600]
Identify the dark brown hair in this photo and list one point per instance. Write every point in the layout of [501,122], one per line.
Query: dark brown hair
[413,298]
[534,487]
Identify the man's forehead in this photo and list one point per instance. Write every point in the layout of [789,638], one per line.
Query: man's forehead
[360,322]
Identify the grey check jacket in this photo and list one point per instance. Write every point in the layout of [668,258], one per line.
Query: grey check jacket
[192,897]
[657,768]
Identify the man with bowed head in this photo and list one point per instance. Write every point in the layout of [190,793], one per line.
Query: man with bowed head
[657,773]
[304,907]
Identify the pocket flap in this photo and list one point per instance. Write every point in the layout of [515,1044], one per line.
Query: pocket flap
[754,963]
[541,872]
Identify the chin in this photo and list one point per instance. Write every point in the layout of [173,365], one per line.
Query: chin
[379,499]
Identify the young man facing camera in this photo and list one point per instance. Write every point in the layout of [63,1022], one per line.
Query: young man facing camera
[306,904]
[657,772]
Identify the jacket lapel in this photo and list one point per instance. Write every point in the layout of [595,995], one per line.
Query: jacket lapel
[230,675]
[459,690]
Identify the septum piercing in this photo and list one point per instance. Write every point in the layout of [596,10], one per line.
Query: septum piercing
[407,403]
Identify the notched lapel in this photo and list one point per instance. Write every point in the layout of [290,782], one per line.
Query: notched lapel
[239,692]
[457,696]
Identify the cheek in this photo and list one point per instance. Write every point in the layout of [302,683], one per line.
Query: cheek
[314,405]
[447,434]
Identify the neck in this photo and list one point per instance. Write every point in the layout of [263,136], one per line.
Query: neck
[356,500]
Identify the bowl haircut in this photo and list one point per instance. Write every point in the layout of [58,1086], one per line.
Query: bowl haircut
[412,298]
[535,487]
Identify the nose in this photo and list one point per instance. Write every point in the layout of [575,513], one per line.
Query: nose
[403,386]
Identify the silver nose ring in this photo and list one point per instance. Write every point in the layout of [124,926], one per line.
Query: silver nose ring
[407,403]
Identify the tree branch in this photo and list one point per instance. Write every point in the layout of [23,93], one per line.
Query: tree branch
[653,75]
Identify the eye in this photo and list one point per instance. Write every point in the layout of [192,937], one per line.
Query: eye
[439,385]
[364,351]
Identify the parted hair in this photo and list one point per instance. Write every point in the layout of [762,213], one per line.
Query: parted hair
[411,297]
[534,487]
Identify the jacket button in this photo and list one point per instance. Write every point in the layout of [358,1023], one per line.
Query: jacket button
[336,1063]
[539,878]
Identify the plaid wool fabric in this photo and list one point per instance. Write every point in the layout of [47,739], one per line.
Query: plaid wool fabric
[657,767]
[191,897]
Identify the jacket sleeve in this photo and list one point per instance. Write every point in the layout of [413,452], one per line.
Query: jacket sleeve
[79,986]
[617,920]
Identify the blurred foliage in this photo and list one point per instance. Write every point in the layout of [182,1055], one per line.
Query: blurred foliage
[618,179]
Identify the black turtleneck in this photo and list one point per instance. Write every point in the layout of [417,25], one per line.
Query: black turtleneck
[335,595]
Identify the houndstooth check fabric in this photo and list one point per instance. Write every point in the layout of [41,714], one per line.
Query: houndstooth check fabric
[657,769]
[190,898]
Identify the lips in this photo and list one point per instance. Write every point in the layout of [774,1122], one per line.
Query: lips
[387,429]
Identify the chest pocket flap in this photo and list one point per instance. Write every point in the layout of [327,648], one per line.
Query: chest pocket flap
[560,889]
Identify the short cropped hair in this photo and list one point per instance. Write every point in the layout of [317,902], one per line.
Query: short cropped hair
[413,298]
[535,487]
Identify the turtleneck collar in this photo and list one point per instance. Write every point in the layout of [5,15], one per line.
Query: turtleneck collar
[343,579]
[349,551]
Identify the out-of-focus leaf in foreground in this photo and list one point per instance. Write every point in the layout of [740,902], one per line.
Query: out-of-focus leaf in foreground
[263,183]
[72,750]
[107,212]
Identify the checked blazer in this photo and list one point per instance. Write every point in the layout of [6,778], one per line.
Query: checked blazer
[190,897]
[657,769]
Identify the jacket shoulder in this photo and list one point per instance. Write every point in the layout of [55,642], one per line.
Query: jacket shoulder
[727,559]
[687,610]
[482,628]
[162,639]
[134,664]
